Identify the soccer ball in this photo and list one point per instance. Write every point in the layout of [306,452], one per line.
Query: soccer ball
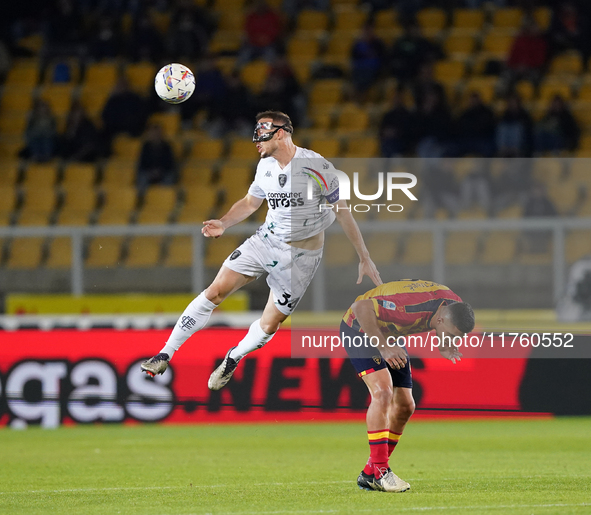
[174,83]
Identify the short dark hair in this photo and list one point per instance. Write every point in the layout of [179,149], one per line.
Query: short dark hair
[278,118]
[462,316]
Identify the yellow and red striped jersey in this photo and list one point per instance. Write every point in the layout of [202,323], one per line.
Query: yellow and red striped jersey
[404,307]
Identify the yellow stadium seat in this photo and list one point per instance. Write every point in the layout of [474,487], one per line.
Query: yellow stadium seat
[582,112]
[383,248]
[160,198]
[104,251]
[484,86]
[499,248]
[432,19]
[113,217]
[449,70]
[235,175]
[347,18]
[200,199]
[327,92]
[301,70]
[222,6]
[550,88]
[170,123]
[418,249]
[508,18]
[10,147]
[515,211]
[101,74]
[226,64]
[225,41]
[322,117]
[352,118]
[23,71]
[565,195]
[73,217]
[10,172]
[16,98]
[338,250]
[497,44]
[580,172]
[179,252]
[362,147]
[93,99]
[585,92]
[532,258]
[119,198]
[161,20]
[33,218]
[8,198]
[119,172]
[585,143]
[470,20]
[242,148]
[79,198]
[79,174]
[386,19]
[196,174]
[254,75]
[5,220]
[13,124]
[128,147]
[326,147]
[143,252]
[207,149]
[525,90]
[312,21]
[303,48]
[461,248]
[578,245]
[39,199]
[569,63]
[585,210]
[549,171]
[60,253]
[339,45]
[543,16]
[59,98]
[25,253]
[459,46]
[219,249]
[231,20]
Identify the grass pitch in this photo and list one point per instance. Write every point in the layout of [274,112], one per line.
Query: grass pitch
[522,467]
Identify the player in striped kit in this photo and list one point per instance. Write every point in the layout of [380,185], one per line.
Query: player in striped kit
[386,313]
[287,246]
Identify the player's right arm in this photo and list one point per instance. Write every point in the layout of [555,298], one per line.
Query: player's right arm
[240,211]
[365,314]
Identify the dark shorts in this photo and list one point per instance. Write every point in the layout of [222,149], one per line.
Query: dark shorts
[367,359]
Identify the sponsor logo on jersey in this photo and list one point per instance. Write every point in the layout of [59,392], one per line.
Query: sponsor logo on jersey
[235,255]
[292,199]
[268,174]
[389,304]
[282,179]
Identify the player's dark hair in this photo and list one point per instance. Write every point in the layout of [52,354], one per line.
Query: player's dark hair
[278,118]
[462,316]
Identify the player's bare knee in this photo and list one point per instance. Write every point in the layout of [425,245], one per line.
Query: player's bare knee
[383,397]
[404,410]
[215,294]
[271,326]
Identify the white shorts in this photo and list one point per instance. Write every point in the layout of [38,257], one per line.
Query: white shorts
[290,269]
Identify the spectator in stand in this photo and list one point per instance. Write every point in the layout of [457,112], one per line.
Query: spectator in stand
[411,51]
[63,30]
[514,130]
[476,187]
[262,32]
[558,130]
[512,181]
[41,133]
[79,142]
[291,8]
[237,109]
[189,31]
[282,92]
[124,112]
[433,123]
[538,204]
[569,30]
[367,56]
[397,128]
[105,43]
[474,130]
[209,95]
[426,83]
[440,188]
[145,40]
[528,54]
[157,163]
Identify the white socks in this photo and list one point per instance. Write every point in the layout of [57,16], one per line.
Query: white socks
[254,339]
[193,319]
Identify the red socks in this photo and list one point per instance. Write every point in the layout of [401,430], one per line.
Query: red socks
[381,444]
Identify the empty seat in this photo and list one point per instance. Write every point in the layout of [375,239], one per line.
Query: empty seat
[219,249]
[326,92]
[418,249]
[236,176]
[484,86]
[352,118]
[196,174]
[200,200]
[104,251]
[549,171]
[93,99]
[23,71]
[8,198]
[326,147]
[499,248]
[507,18]
[179,252]
[225,41]
[309,20]
[449,70]
[59,253]
[158,204]
[340,45]
[362,147]
[383,248]
[128,147]
[254,75]
[16,99]
[40,176]
[210,149]
[59,98]
[303,48]
[143,251]
[39,200]
[231,20]
[578,245]
[101,74]
[25,253]
[338,250]
[242,149]
[550,88]
[347,18]
[140,76]
[470,20]
[119,172]
[169,122]
[461,248]
[497,44]
[569,63]
[431,19]
[79,175]
[13,124]
[565,196]
[459,46]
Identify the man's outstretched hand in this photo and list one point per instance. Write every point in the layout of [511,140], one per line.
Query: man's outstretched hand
[212,229]
[451,353]
[367,267]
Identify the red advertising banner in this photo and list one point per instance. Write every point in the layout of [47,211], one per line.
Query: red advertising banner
[69,376]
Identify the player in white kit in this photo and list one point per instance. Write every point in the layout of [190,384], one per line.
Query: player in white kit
[287,246]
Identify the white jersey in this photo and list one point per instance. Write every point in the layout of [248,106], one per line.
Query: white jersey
[292,216]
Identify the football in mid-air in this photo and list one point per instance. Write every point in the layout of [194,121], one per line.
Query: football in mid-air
[174,83]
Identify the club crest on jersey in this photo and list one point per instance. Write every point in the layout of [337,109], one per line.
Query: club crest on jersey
[377,359]
[389,305]
[235,255]
[282,179]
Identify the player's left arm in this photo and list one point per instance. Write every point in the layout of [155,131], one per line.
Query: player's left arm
[351,229]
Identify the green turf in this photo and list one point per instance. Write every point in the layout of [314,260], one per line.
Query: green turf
[538,466]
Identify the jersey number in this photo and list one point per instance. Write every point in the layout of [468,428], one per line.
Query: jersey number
[286,297]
